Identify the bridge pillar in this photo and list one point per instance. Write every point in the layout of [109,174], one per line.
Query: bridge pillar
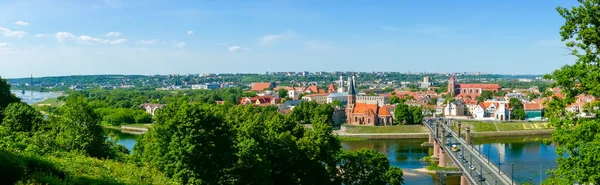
[436,149]
[430,138]
[463,180]
[442,158]
[468,136]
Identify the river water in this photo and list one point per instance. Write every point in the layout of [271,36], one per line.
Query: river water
[527,154]
[32,97]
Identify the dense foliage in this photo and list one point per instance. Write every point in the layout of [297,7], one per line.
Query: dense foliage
[308,111]
[517,110]
[214,144]
[68,148]
[6,97]
[577,138]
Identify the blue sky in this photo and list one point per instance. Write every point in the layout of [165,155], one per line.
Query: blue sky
[55,37]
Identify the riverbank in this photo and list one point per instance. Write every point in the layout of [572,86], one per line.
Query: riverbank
[344,133]
[130,128]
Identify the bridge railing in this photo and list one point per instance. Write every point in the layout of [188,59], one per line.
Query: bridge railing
[491,167]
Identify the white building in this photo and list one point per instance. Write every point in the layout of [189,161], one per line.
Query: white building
[343,97]
[492,110]
[379,100]
[455,108]
[152,107]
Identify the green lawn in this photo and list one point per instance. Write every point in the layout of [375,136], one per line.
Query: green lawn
[52,102]
[386,129]
[478,126]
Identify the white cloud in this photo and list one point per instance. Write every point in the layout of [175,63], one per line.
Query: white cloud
[22,23]
[118,41]
[146,41]
[39,35]
[113,34]
[88,39]
[62,36]
[276,38]
[238,49]
[9,33]
[5,47]
[190,32]
[178,44]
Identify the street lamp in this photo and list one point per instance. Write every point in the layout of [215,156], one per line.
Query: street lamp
[512,172]
[540,174]
[499,162]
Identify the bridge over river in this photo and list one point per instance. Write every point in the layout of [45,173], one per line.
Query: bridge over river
[456,149]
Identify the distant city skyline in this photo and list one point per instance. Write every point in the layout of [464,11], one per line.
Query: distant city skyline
[61,38]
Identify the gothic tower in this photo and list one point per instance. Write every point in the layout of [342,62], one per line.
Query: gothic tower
[351,99]
[452,86]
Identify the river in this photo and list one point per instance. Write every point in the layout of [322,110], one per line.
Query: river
[32,97]
[527,154]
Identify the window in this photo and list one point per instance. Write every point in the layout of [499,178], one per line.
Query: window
[355,119]
[369,121]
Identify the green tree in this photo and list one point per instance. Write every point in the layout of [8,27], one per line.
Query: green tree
[282,93]
[576,139]
[367,167]
[301,95]
[531,96]
[78,128]
[402,114]
[485,95]
[20,117]
[417,114]
[191,143]
[518,111]
[337,103]
[432,101]
[388,89]
[394,100]
[412,86]
[6,97]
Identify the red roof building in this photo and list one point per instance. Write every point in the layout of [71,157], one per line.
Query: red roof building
[260,86]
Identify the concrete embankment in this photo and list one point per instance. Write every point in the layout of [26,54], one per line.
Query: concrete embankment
[513,133]
[133,130]
[386,135]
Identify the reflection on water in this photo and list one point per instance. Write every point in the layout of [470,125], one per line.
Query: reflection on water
[529,157]
[527,154]
[37,96]
[405,154]
[127,140]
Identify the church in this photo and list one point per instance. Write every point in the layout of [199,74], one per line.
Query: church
[473,90]
[365,113]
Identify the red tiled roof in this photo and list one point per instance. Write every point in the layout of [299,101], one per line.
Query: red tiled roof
[383,112]
[331,87]
[532,106]
[363,107]
[482,86]
[312,88]
[259,86]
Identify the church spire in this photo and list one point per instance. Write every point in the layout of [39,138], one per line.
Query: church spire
[351,90]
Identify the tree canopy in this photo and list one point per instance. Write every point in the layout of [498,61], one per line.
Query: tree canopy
[518,111]
[576,138]
[210,144]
